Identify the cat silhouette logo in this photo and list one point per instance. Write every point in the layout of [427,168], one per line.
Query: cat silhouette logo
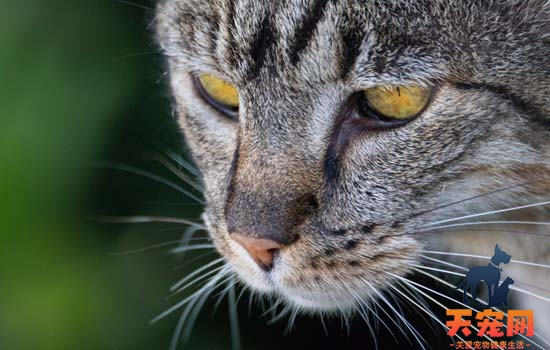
[490,274]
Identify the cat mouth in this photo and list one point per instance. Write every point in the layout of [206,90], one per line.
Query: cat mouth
[274,282]
[318,301]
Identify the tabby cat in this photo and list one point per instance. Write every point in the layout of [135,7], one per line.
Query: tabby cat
[348,146]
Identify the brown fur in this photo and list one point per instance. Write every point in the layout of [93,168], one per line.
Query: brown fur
[349,202]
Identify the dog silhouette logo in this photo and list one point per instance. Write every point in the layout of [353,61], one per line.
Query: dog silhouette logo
[490,274]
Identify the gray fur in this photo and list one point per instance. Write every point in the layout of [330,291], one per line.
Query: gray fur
[277,171]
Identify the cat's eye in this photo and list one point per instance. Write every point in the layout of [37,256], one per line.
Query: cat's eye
[218,93]
[396,103]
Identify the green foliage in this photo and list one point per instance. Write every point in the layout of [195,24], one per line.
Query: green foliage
[69,96]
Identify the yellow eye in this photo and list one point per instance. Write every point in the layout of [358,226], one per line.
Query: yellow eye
[398,102]
[219,91]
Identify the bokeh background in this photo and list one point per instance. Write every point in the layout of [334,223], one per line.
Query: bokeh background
[81,84]
[83,94]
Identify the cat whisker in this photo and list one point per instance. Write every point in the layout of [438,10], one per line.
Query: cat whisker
[162,76]
[490,213]
[140,219]
[181,161]
[272,308]
[191,247]
[474,223]
[244,289]
[197,308]
[164,161]
[222,273]
[420,340]
[234,317]
[461,231]
[442,262]
[191,306]
[190,232]
[200,256]
[363,304]
[145,249]
[343,314]
[291,320]
[415,286]
[364,314]
[220,295]
[143,7]
[135,54]
[285,311]
[423,302]
[484,257]
[421,308]
[498,190]
[520,290]
[180,286]
[149,175]
[194,273]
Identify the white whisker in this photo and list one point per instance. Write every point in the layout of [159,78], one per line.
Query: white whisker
[365,316]
[426,311]
[229,284]
[197,308]
[140,219]
[464,275]
[145,249]
[421,341]
[149,175]
[166,163]
[234,317]
[442,262]
[210,283]
[474,223]
[194,273]
[190,232]
[191,247]
[365,304]
[485,257]
[490,213]
[196,280]
[411,284]
[181,161]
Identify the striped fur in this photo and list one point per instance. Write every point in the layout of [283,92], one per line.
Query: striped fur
[356,202]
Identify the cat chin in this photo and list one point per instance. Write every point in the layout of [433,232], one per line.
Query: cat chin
[325,303]
[307,301]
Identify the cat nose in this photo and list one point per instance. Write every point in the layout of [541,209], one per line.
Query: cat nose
[262,250]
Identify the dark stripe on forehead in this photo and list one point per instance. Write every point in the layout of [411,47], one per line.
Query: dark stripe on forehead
[186,27]
[304,32]
[352,40]
[233,53]
[214,30]
[259,47]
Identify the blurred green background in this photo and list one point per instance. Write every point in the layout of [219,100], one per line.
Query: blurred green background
[82,84]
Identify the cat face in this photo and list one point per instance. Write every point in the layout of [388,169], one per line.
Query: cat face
[304,198]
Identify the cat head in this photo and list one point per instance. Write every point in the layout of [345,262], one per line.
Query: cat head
[314,192]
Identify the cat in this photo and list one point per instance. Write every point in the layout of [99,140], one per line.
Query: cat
[348,146]
[500,298]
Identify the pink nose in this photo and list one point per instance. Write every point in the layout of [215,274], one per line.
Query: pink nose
[262,250]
